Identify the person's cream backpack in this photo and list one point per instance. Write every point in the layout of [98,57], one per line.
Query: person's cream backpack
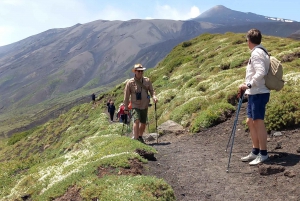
[273,79]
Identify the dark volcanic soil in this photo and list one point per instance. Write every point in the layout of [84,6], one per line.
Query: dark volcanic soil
[195,165]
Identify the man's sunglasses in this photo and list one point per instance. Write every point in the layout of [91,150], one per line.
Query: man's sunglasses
[140,71]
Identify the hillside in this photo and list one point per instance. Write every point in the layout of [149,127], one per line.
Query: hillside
[45,73]
[59,66]
[196,85]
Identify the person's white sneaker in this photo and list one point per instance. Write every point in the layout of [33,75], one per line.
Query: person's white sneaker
[259,159]
[249,157]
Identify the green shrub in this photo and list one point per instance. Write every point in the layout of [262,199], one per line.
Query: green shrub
[283,110]
[186,44]
[187,108]
[18,136]
[213,115]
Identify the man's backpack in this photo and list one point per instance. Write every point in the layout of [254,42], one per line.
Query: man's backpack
[273,79]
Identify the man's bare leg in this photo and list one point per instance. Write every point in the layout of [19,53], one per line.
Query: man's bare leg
[253,133]
[142,129]
[261,131]
[136,129]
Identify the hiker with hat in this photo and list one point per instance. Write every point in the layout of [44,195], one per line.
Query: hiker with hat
[138,89]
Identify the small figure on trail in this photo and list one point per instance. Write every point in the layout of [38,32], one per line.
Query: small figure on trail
[258,97]
[107,104]
[94,98]
[111,110]
[137,89]
[122,115]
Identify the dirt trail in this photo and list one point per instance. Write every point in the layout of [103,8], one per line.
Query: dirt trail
[195,165]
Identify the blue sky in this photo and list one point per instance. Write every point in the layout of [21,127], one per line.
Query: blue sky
[22,18]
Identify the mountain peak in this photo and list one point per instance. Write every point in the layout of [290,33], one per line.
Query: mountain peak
[224,16]
[219,9]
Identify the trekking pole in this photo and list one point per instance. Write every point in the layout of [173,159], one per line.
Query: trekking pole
[148,125]
[231,138]
[156,123]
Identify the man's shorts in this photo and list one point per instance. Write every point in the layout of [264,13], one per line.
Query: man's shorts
[140,114]
[257,106]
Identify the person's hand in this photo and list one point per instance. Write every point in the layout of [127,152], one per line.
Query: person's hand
[155,99]
[241,90]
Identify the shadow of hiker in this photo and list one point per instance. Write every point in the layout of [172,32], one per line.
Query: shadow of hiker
[283,159]
[159,144]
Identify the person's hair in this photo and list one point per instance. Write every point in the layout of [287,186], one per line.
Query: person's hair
[254,35]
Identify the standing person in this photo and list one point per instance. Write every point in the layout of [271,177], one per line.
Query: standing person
[94,98]
[111,110]
[107,104]
[137,89]
[122,115]
[258,97]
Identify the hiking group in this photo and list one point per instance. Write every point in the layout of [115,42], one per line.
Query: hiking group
[138,90]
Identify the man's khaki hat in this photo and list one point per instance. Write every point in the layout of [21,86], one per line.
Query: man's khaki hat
[138,67]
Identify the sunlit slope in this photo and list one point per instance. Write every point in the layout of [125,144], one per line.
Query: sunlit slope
[197,82]
[44,162]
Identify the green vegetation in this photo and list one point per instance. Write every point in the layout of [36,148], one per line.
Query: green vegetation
[196,85]
[65,152]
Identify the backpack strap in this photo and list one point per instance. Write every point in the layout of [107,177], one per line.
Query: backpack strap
[141,84]
[264,51]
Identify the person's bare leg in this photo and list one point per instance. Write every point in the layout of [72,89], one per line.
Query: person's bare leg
[142,129]
[261,131]
[253,133]
[136,129]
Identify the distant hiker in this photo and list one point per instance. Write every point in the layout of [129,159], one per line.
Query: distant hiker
[107,104]
[94,98]
[122,115]
[111,110]
[137,89]
[258,97]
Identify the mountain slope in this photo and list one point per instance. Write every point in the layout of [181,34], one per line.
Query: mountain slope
[61,66]
[38,71]
[59,61]
[196,85]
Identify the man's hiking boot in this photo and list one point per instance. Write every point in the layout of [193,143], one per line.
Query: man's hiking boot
[259,159]
[250,157]
[141,139]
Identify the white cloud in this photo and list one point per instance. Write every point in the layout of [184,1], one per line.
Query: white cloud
[168,12]
[194,12]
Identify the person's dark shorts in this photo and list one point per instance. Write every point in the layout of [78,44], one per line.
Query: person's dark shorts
[257,106]
[140,114]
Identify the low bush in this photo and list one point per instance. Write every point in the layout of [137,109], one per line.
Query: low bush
[213,115]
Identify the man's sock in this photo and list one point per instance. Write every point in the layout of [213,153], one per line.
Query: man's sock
[255,151]
[263,152]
